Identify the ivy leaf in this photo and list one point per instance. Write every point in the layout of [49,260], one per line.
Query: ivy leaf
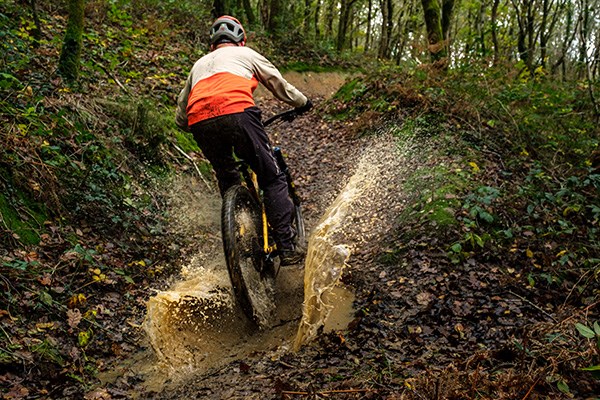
[83,338]
[486,216]
[46,298]
[457,248]
[585,331]
[593,368]
[563,387]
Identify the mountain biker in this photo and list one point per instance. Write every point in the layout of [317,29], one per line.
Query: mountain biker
[217,106]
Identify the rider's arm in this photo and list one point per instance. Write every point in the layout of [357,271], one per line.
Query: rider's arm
[271,78]
[181,114]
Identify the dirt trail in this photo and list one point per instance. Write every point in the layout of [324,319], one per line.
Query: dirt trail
[323,156]
[178,346]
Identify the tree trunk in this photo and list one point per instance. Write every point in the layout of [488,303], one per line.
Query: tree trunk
[495,31]
[570,31]
[249,12]
[329,19]
[275,17]
[68,64]
[447,11]
[387,9]
[37,31]
[306,20]
[316,17]
[480,30]
[531,36]
[344,22]
[584,32]
[369,24]
[525,22]
[219,8]
[405,26]
[544,34]
[433,22]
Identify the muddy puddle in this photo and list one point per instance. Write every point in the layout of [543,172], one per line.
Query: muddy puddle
[195,327]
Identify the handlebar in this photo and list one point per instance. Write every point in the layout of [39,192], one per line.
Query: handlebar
[287,116]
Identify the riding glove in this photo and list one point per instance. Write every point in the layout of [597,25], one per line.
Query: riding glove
[305,108]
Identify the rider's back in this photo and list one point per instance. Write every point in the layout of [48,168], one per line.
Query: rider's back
[222,82]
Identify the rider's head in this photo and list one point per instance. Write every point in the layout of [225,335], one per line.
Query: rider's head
[227,29]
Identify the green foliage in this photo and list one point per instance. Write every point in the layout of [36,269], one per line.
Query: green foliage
[186,141]
[528,193]
[593,333]
[22,217]
[438,197]
[144,127]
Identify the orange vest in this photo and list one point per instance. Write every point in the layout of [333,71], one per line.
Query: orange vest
[220,94]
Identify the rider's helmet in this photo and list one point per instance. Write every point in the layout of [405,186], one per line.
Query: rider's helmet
[227,29]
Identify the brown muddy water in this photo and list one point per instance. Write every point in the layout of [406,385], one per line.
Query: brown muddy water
[195,326]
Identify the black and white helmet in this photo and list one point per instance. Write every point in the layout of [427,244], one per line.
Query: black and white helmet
[227,29]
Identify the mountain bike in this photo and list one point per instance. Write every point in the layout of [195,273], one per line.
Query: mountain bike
[250,251]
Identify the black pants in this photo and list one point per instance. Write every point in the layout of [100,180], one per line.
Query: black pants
[244,134]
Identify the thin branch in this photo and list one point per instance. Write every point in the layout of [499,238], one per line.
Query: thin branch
[534,305]
[327,392]
[186,155]
[530,389]
[111,76]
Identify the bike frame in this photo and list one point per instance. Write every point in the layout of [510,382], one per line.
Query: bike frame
[252,181]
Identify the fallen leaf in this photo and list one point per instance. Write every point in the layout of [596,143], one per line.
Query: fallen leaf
[98,394]
[529,253]
[424,298]
[77,300]
[83,338]
[73,317]
[45,280]
[44,325]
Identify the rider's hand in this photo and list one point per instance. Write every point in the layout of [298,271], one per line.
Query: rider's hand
[305,108]
[290,116]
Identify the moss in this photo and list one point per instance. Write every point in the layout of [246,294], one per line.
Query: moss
[301,66]
[186,142]
[71,51]
[350,90]
[27,228]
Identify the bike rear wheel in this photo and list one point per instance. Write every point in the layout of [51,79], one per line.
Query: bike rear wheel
[299,226]
[250,273]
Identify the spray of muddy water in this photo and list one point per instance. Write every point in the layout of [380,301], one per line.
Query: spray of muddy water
[194,326]
[185,322]
[369,200]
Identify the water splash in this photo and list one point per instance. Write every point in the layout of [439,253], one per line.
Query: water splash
[356,222]
[326,259]
[194,325]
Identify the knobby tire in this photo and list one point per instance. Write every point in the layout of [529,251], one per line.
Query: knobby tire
[241,225]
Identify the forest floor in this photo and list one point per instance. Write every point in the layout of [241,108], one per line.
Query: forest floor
[422,328]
